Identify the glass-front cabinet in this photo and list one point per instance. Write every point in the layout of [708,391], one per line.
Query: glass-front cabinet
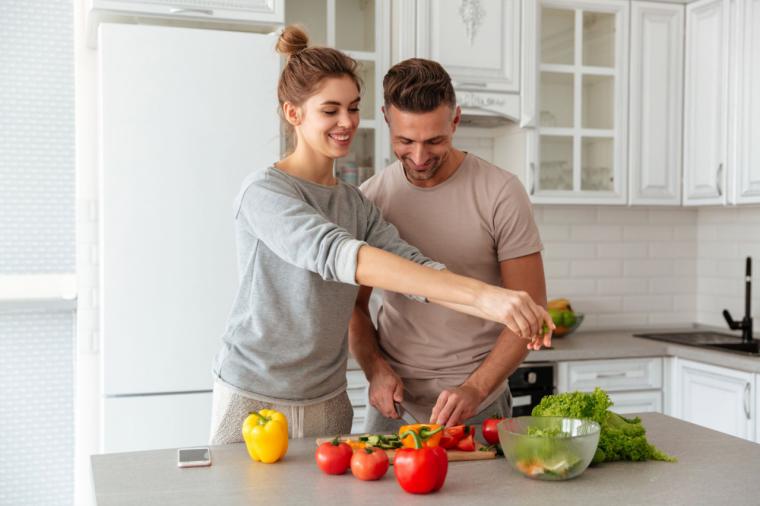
[359,28]
[578,148]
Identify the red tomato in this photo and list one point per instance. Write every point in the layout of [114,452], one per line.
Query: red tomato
[334,457]
[369,464]
[490,434]
[467,443]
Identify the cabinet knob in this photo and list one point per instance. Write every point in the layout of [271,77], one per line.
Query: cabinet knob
[176,10]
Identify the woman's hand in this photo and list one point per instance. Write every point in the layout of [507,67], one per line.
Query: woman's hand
[518,312]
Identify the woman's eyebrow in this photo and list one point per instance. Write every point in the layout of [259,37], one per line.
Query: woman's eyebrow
[334,102]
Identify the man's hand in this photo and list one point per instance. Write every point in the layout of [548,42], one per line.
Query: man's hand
[385,387]
[455,405]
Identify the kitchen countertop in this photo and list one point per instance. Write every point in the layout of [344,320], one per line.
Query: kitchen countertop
[713,468]
[612,344]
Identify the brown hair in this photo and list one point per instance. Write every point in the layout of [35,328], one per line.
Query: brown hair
[418,85]
[308,66]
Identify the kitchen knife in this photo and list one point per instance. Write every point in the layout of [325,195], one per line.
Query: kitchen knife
[404,414]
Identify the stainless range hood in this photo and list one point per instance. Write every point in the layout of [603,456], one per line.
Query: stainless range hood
[488,110]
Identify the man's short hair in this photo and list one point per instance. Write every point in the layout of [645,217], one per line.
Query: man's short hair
[418,85]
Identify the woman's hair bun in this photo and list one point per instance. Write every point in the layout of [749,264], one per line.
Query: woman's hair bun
[293,39]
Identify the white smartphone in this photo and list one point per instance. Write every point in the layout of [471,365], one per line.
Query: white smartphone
[193,457]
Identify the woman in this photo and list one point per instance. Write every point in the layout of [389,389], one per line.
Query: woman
[305,241]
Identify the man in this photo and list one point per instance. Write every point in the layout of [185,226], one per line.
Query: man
[440,365]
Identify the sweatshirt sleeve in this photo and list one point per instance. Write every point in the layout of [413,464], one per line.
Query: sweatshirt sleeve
[296,232]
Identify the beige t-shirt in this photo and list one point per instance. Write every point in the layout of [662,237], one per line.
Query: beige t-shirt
[477,218]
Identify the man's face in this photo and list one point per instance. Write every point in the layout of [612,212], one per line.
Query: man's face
[422,141]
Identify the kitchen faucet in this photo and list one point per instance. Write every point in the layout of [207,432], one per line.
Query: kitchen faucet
[746,324]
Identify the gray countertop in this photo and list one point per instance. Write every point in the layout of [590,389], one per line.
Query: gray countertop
[611,344]
[713,468]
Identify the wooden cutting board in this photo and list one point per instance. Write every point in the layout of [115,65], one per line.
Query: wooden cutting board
[454,455]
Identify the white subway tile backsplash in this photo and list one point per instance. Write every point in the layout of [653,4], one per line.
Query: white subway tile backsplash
[622,250]
[621,265]
[647,233]
[569,215]
[569,250]
[718,249]
[598,305]
[622,286]
[673,249]
[597,233]
[673,285]
[648,303]
[569,288]
[596,268]
[622,216]
[648,268]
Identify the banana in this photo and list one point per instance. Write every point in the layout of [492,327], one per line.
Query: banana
[561,304]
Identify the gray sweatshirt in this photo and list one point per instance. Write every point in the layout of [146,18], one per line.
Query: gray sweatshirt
[287,335]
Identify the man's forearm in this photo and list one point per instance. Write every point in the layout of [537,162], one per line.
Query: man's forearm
[362,342]
[504,359]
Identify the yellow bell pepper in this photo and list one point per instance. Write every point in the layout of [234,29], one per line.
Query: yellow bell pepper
[266,435]
[430,434]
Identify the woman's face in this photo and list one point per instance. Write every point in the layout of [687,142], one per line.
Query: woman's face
[330,117]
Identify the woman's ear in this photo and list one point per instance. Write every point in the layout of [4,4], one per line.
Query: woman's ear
[292,113]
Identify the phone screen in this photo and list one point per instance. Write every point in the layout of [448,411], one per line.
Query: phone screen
[196,456]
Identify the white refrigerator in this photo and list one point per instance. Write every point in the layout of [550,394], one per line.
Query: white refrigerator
[184,115]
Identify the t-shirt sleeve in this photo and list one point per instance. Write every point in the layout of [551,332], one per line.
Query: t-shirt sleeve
[515,230]
[296,232]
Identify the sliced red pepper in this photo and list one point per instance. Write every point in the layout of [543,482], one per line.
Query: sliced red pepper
[467,443]
[452,436]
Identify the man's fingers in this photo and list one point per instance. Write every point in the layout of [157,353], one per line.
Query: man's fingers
[455,417]
[439,404]
[445,413]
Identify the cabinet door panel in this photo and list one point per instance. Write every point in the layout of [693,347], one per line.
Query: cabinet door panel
[656,92]
[636,402]
[705,101]
[716,398]
[478,41]
[748,104]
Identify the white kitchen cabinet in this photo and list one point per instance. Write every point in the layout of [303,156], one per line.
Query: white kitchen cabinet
[656,91]
[715,397]
[612,375]
[706,102]
[357,393]
[744,129]
[579,150]
[361,29]
[625,403]
[241,15]
[477,41]
[757,406]
[633,384]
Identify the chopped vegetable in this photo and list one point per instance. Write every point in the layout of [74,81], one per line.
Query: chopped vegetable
[620,439]
[384,441]
[429,433]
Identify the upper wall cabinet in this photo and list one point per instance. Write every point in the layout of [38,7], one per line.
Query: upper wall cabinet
[706,102]
[744,130]
[578,152]
[244,15]
[655,110]
[477,41]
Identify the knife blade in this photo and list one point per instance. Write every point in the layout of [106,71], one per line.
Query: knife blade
[404,414]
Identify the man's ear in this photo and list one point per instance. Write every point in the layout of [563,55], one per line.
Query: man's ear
[292,113]
[385,114]
[457,119]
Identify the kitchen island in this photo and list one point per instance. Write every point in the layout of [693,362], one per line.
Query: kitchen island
[713,468]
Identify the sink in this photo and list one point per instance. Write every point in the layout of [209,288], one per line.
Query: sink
[752,347]
[707,339]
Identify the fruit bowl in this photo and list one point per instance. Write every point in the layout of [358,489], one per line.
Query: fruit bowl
[562,331]
[548,447]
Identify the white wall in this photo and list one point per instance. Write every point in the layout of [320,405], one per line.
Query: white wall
[726,236]
[621,266]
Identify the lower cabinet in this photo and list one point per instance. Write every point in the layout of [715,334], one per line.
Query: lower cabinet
[357,393]
[633,384]
[715,397]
